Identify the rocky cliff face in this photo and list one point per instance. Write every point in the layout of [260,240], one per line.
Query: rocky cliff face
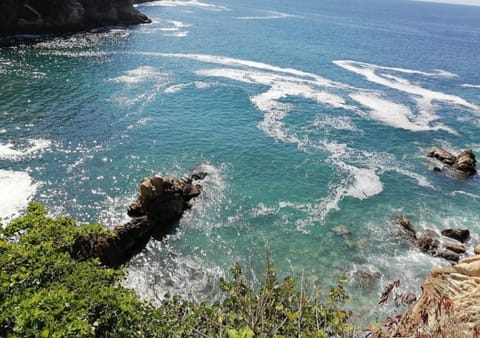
[449,305]
[61,16]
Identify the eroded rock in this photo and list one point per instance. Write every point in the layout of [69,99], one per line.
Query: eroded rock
[464,162]
[460,234]
[407,226]
[442,155]
[450,304]
[476,250]
[160,204]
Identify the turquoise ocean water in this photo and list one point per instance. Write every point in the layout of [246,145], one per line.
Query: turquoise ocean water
[308,115]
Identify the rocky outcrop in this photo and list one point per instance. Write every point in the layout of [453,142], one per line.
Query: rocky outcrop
[460,234]
[63,16]
[160,204]
[449,305]
[430,242]
[464,164]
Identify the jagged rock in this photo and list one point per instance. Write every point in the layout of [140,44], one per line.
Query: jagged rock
[164,200]
[199,176]
[449,305]
[460,234]
[455,247]
[465,162]
[428,244]
[442,155]
[405,223]
[446,254]
[62,16]
[160,203]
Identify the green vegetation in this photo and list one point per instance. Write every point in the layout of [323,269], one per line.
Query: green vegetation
[45,293]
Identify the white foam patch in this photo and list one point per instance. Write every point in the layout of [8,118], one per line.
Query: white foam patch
[185,3]
[421,180]
[214,186]
[167,28]
[11,152]
[468,194]
[176,88]
[227,61]
[16,191]
[188,277]
[373,74]
[141,74]
[466,85]
[397,115]
[269,15]
[204,85]
[335,122]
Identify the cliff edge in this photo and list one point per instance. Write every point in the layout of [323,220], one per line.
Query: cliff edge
[63,16]
[449,305]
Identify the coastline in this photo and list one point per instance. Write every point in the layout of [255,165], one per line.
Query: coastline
[23,22]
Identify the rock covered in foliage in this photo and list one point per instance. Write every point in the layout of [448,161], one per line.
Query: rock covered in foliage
[449,305]
[62,16]
[465,162]
[160,204]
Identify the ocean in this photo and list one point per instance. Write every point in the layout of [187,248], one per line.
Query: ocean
[312,118]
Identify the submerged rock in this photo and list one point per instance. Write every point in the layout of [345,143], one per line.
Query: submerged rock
[449,305]
[465,162]
[341,230]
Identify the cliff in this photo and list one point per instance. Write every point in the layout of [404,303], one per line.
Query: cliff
[449,305]
[63,16]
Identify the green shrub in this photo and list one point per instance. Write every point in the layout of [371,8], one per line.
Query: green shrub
[45,293]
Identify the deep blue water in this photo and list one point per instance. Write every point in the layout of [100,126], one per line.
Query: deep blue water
[307,115]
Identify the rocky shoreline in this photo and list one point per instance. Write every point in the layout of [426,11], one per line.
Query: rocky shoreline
[27,17]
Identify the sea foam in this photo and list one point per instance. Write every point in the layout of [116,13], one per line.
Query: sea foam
[185,3]
[17,189]
[13,153]
[269,15]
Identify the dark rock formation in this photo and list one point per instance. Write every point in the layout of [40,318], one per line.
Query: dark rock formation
[431,243]
[460,234]
[464,163]
[455,247]
[63,16]
[160,204]
[442,155]
[407,227]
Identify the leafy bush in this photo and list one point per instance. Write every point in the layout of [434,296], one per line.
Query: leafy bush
[45,293]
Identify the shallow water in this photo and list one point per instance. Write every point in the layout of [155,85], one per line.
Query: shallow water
[306,116]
